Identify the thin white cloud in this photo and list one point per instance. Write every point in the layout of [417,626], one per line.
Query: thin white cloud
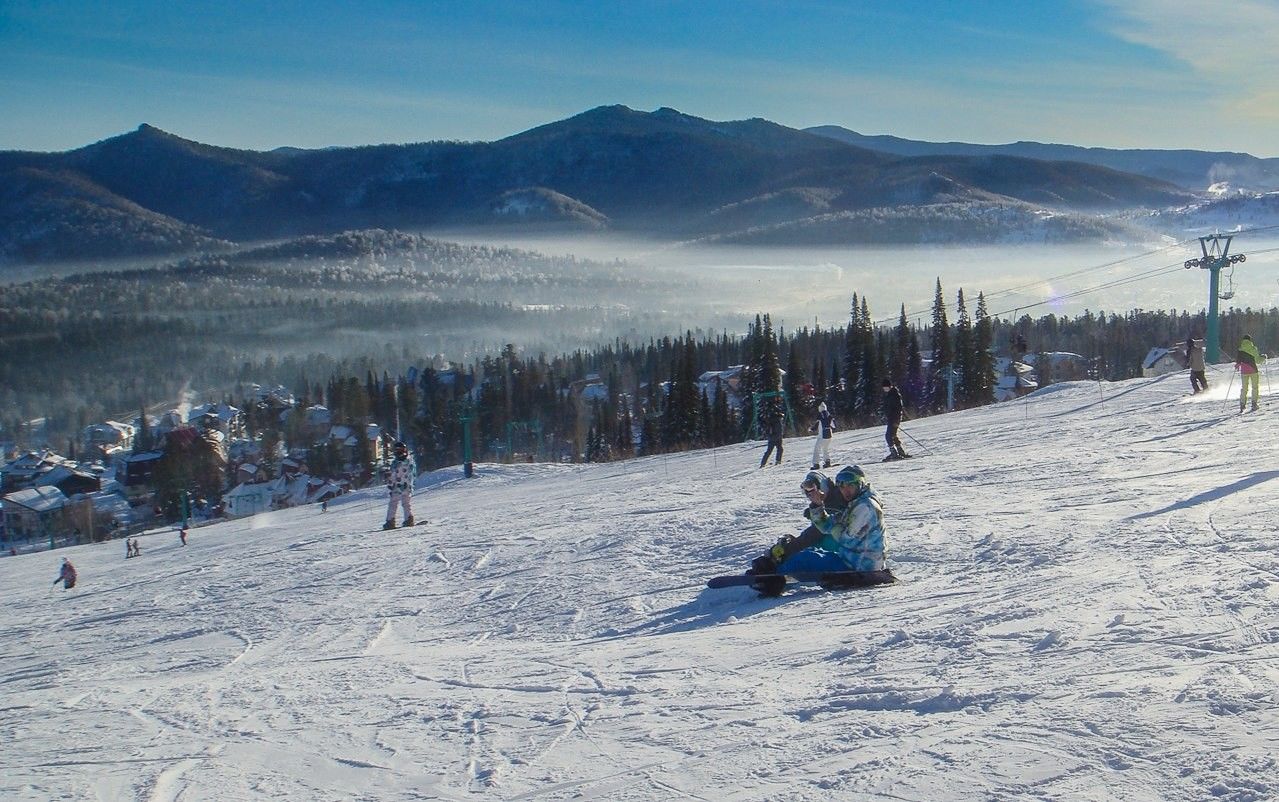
[1234,46]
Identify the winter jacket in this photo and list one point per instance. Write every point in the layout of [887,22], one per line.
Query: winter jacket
[776,428]
[826,422]
[1195,352]
[1248,359]
[855,533]
[893,405]
[67,575]
[400,476]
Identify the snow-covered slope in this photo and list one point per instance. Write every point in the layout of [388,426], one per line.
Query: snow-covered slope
[1089,610]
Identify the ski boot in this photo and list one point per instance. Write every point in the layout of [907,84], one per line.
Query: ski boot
[389,525]
[771,585]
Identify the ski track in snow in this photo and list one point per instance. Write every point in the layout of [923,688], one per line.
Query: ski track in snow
[1087,611]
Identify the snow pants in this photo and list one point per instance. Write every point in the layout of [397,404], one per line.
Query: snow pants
[1198,381]
[1246,380]
[771,445]
[890,437]
[821,451]
[404,500]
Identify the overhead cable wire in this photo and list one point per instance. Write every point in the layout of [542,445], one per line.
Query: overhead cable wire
[1082,271]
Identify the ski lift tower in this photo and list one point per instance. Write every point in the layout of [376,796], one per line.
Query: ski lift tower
[1216,255]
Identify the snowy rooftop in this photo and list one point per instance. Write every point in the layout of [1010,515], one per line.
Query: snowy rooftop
[1088,610]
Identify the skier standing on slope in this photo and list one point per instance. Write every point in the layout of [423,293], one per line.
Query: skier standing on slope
[399,481]
[846,543]
[825,428]
[67,575]
[894,412]
[775,428]
[1248,362]
[1195,359]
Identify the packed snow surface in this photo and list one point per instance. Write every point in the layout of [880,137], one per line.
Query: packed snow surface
[1089,609]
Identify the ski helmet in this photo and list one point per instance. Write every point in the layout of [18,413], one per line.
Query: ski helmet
[821,407]
[814,479]
[400,449]
[851,475]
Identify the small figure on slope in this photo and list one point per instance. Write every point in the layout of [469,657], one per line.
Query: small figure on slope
[182,534]
[67,575]
[774,427]
[845,540]
[1248,361]
[1195,360]
[825,428]
[399,481]
[894,412]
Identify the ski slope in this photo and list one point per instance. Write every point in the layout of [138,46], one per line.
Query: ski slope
[1089,609]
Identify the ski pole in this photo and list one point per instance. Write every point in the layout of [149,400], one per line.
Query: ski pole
[916,442]
[1231,383]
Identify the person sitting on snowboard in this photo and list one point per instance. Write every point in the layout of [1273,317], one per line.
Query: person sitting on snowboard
[847,543]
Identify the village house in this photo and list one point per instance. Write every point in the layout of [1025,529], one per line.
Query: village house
[34,514]
[1013,379]
[107,440]
[1159,361]
[250,473]
[223,418]
[247,498]
[28,468]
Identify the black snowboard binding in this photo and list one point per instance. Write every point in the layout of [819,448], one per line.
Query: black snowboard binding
[769,586]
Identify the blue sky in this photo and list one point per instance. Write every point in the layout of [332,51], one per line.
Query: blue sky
[1113,73]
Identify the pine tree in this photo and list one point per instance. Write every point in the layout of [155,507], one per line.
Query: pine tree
[943,355]
[142,442]
[965,356]
[915,381]
[769,371]
[899,359]
[984,355]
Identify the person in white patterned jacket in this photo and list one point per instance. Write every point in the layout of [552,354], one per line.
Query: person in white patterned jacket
[399,481]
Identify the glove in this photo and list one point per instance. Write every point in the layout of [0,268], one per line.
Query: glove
[778,552]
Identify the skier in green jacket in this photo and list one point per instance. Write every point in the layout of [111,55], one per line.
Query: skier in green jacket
[1248,362]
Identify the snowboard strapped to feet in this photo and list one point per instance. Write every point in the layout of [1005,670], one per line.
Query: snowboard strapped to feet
[831,580]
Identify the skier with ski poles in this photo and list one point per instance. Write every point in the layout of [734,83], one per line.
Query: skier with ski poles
[1195,360]
[1248,361]
[894,413]
[845,542]
[825,428]
[399,481]
[66,575]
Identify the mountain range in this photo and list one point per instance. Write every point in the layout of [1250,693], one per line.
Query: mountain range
[661,174]
[1188,169]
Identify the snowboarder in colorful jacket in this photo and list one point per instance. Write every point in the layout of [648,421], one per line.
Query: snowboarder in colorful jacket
[399,481]
[846,543]
[67,575]
[1248,361]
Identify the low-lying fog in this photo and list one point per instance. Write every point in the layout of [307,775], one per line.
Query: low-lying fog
[803,286]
